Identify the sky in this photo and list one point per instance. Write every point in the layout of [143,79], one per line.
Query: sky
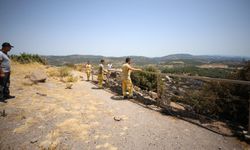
[126,27]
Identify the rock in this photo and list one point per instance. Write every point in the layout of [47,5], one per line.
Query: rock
[69,86]
[140,94]
[136,88]
[116,118]
[153,95]
[181,90]
[176,106]
[38,76]
[34,140]
[27,82]
[241,127]
[41,94]
[169,79]
[244,132]
[154,107]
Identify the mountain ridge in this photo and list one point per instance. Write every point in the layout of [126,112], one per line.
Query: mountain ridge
[75,58]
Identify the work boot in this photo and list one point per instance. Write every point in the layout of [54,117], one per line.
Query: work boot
[2,100]
[131,97]
[9,97]
[125,97]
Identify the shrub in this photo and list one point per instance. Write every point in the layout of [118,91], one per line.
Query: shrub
[61,72]
[24,58]
[71,78]
[145,80]
[53,72]
[64,71]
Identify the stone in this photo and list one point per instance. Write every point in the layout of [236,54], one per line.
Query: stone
[153,95]
[41,94]
[176,106]
[27,82]
[38,76]
[116,118]
[34,140]
[69,86]
[136,88]
[181,90]
[168,79]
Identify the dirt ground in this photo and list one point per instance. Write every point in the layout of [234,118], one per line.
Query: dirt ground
[48,116]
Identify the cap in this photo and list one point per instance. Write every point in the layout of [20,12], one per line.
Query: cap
[6,44]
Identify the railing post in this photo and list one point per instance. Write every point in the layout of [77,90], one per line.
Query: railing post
[249,114]
[158,89]
[92,75]
[157,82]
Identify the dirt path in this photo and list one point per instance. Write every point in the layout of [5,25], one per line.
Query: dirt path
[83,118]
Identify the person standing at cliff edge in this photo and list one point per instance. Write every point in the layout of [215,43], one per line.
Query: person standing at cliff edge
[127,84]
[101,72]
[88,70]
[5,71]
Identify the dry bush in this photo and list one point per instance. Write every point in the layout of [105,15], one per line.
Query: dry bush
[62,73]
[79,67]
[71,78]
[53,72]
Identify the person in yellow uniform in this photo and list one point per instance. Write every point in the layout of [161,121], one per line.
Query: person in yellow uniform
[101,72]
[88,70]
[127,84]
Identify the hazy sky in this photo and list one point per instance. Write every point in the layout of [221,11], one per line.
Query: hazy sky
[127,27]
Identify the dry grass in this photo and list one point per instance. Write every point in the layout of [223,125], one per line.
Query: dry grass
[75,116]
[71,78]
[63,74]
[28,123]
[59,72]
[79,67]
[74,127]
[25,69]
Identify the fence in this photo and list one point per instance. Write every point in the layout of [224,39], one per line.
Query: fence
[210,94]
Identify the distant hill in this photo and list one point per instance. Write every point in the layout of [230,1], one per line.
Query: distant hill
[141,60]
[76,59]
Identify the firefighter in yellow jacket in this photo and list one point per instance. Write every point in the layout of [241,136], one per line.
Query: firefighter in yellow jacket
[127,84]
[101,72]
[88,70]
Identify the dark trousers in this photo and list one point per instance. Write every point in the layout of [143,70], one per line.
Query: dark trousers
[4,85]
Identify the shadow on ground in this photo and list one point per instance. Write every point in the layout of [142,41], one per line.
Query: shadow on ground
[118,98]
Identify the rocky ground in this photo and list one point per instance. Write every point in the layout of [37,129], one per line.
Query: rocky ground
[49,116]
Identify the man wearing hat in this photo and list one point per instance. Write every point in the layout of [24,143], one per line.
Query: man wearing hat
[5,72]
